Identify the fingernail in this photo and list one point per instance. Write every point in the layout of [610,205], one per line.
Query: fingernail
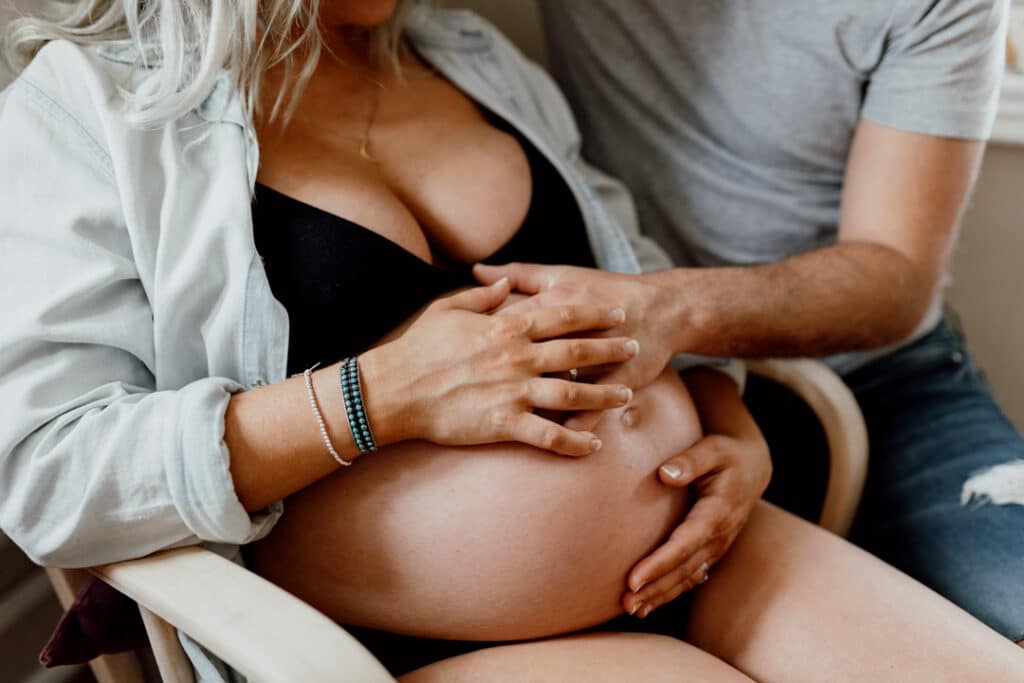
[645,611]
[632,347]
[595,445]
[634,608]
[640,587]
[625,395]
[503,281]
[617,315]
[672,471]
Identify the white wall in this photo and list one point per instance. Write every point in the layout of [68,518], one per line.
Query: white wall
[988,270]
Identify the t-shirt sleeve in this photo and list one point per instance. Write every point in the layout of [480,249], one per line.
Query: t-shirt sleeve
[941,70]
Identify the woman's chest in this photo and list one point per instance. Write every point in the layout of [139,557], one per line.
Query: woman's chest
[437,179]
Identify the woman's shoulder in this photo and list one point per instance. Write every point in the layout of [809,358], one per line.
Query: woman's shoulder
[72,71]
[465,33]
[75,83]
[464,39]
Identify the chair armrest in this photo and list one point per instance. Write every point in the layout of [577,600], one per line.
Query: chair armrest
[834,404]
[259,629]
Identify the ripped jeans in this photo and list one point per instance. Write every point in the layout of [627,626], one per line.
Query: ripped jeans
[934,426]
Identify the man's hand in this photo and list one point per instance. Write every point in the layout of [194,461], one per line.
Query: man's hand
[903,197]
[729,469]
[647,306]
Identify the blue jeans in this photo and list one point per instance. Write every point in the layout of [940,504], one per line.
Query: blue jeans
[933,424]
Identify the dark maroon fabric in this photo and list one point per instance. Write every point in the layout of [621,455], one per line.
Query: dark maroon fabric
[100,622]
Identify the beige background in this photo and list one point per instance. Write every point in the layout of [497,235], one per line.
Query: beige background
[988,286]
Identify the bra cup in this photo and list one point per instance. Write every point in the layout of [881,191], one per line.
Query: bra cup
[346,286]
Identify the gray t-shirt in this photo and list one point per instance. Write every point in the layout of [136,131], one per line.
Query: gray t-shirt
[731,120]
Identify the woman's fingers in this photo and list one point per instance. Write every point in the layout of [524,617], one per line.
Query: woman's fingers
[669,595]
[559,394]
[513,353]
[687,575]
[560,321]
[525,277]
[563,355]
[643,609]
[479,299]
[703,457]
[693,534]
[585,421]
[535,431]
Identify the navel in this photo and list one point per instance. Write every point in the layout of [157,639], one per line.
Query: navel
[630,417]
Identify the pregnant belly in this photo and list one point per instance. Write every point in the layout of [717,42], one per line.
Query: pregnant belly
[501,542]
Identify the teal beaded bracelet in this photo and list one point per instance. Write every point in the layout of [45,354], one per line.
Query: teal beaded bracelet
[355,410]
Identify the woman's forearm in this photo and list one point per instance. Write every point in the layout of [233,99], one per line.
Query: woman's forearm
[275,442]
[484,388]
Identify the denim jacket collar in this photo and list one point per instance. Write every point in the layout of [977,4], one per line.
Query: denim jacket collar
[432,31]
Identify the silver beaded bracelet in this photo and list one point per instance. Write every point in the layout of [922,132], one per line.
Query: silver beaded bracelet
[308,375]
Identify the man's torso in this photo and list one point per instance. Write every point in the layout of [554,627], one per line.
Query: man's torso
[731,120]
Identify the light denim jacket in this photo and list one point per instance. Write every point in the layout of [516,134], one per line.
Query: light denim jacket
[134,302]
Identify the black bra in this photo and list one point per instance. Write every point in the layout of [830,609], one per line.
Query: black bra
[345,286]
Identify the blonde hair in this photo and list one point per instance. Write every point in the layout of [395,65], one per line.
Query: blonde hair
[197,41]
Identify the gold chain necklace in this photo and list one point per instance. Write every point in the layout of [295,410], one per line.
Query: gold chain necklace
[364,139]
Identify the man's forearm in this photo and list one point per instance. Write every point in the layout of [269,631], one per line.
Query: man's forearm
[849,296]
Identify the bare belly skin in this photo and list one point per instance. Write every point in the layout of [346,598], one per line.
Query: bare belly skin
[499,542]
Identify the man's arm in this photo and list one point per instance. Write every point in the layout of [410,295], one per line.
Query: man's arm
[903,199]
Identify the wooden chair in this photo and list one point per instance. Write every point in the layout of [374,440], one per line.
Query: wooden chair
[270,636]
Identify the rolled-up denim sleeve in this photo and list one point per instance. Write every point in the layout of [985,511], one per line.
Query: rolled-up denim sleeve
[96,465]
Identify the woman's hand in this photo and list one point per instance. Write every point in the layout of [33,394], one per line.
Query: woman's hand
[459,377]
[729,469]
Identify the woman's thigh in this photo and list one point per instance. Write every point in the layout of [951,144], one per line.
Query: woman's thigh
[792,602]
[594,658]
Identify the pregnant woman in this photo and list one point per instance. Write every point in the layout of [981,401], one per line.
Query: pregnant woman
[208,199]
